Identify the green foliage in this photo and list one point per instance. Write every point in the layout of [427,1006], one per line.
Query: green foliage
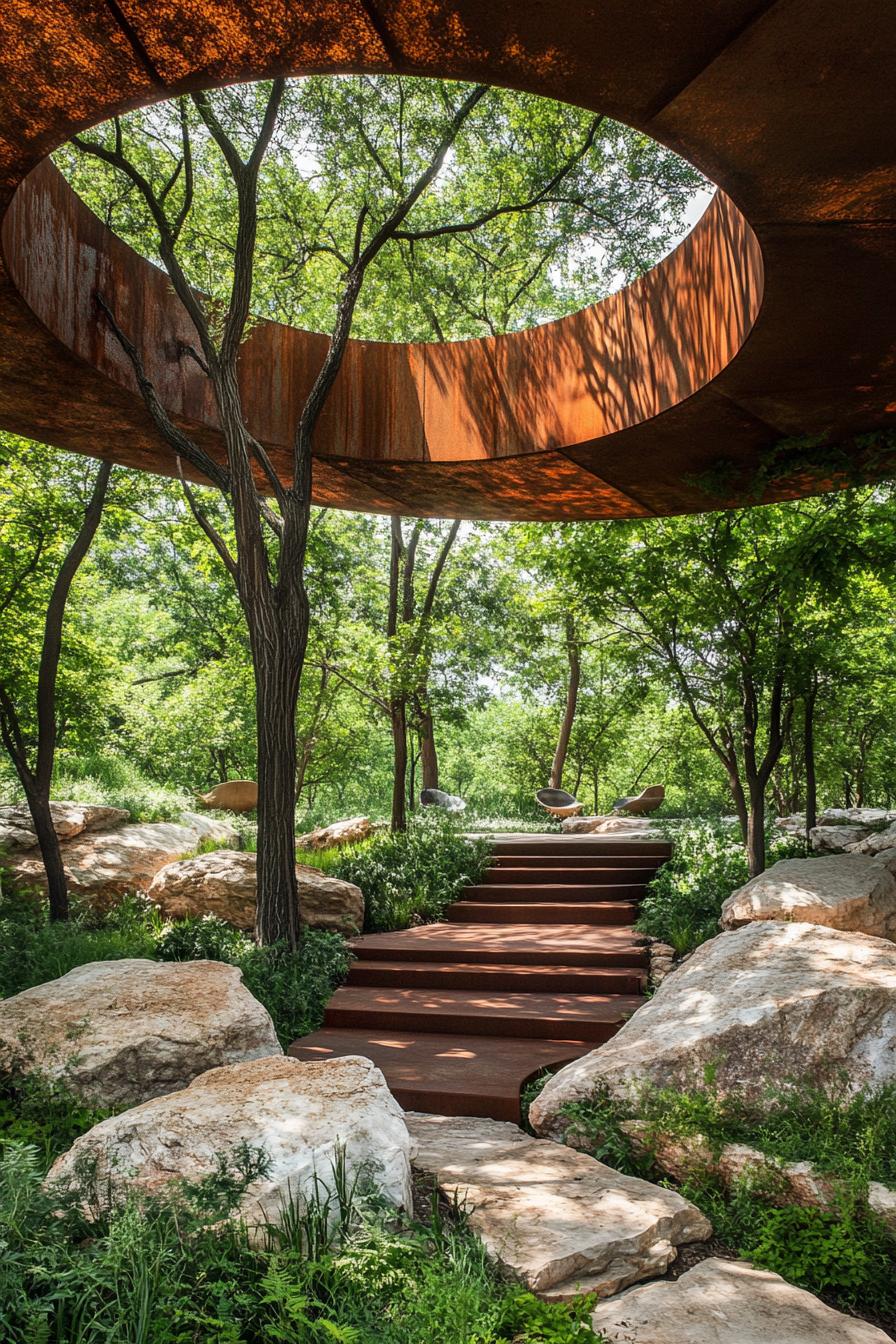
[169,1270]
[851,1140]
[111,778]
[43,1114]
[685,898]
[411,876]
[32,950]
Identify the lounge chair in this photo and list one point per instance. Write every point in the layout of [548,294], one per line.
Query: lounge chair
[641,803]
[449,802]
[558,802]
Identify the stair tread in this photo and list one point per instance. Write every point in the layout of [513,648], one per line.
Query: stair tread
[504,968]
[568,942]
[446,1073]
[569,1008]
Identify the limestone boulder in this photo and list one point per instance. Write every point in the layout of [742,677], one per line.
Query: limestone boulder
[834,839]
[561,1221]
[856,816]
[120,1032]
[727,1302]
[303,1117]
[103,866]
[761,1006]
[211,829]
[224,883]
[638,827]
[876,842]
[349,832]
[882,1201]
[795,824]
[69,820]
[856,892]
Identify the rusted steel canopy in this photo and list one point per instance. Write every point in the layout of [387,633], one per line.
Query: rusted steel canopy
[748,333]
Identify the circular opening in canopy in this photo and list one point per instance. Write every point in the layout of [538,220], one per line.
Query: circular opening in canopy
[535,210]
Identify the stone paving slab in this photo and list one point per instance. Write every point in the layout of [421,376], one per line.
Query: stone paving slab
[562,1221]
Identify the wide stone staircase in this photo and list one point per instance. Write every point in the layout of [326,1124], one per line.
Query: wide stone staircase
[533,967]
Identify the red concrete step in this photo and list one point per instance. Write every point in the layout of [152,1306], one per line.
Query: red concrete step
[519,893]
[604,862]
[585,1017]
[598,877]
[571,944]
[544,912]
[448,1074]
[495,976]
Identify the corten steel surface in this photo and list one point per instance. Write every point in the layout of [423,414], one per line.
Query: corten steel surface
[747,333]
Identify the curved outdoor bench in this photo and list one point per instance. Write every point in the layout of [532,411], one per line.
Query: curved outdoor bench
[747,333]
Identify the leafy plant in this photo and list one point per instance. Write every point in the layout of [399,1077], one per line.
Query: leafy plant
[684,900]
[409,876]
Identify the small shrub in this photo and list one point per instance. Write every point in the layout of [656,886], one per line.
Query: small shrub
[409,876]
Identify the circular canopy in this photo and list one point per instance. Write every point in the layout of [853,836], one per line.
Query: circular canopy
[772,319]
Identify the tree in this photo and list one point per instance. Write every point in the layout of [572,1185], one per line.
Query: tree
[726,608]
[191,175]
[39,566]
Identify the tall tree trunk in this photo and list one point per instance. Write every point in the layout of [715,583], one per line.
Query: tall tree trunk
[569,713]
[429,759]
[809,751]
[276,689]
[398,722]
[756,829]
[37,782]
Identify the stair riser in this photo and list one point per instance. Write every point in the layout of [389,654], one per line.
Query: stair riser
[575,845]
[543,1028]
[519,894]
[629,956]
[467,912]
[570,877]
[449,1103]
[564,861]
[594,981]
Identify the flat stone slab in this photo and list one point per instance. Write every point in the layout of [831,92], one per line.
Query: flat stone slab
[69,820]
[565,1223]
[727,1302]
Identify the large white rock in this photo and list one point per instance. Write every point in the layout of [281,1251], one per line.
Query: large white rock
[119,1032]
[224,883]
[856,892]
[834,839]
[638,827]
[103,866]
[760,1006]
[303,1117]
[876,842]
[727,1302]
[856,816]
[562,1221]
[69,820]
